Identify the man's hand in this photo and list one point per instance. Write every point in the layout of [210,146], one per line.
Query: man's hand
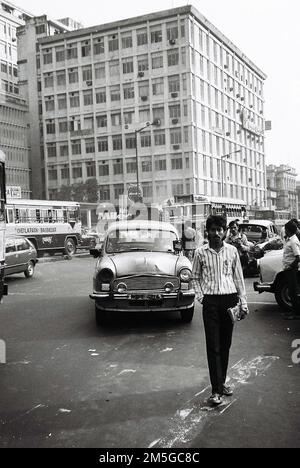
[244,311]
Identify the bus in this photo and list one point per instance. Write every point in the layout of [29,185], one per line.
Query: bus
[3,286]
[52,226]
[279,217]
[195,209]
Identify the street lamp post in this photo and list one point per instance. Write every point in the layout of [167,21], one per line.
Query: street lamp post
[155,122]
[222,176]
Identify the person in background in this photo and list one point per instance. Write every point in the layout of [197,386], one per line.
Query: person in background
[291,260]
[295,221]
[219,284]
[239,240]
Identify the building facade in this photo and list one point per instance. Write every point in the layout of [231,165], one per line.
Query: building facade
[99,85]
[282,190]
[14,137]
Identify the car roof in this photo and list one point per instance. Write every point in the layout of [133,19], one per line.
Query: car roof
[141,224]
[257,222]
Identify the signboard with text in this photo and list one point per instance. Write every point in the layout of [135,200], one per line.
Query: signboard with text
[13,191]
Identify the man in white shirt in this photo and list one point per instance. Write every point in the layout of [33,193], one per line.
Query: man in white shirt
[219,284]
[291,260]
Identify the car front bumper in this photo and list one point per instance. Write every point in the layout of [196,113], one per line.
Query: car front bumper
[262,287]
[151,301]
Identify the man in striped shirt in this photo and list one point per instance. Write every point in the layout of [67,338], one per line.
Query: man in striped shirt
[219,284]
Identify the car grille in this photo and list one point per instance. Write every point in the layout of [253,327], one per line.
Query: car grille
[137,283]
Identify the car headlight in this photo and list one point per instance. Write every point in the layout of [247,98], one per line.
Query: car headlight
[185,275]
[169,287]
[105,275]
[122,288]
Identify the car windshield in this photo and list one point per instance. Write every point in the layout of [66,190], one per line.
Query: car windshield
[149,240]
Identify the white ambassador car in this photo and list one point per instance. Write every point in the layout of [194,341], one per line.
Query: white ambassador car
[141,268]
[272,278]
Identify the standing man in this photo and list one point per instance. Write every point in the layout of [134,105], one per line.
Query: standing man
[291,259]
[219,284]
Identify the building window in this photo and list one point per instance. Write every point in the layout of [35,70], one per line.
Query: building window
[113,43]
[157,86]
[90,145]
[74,100]
[49,103]
[143,63]
[48,79]
[62,101]
[146,165]
[128,91]
[173,57]
[50,127]
[104,192]
[147,189]
[61,78]
[172,31]
[63,126]
[77,172]
[87,73]
[47,57]
[90,169]
[99,71]
[175,136]
[114,68]
[51,150]
[117,142]
[174,112]
[65,173]
[76,146]
[144,90]
[159,138]
[130,166]
[102,144]
[130,141]
[127,65]
[145,140]
[98,46]
[87,98]
[126,41]
[115,93]
[40,29]
[100,95]
[159,113]
[142,37]
[157,60]
[73,75]
[60,55]
[64,149]
[116,120]
[156,34]
[85,49]
[52,174]
[177,188]
[103,169]
[101,121]
[174,84]
[72,52]
[176,163]
[160,164]
[118,166]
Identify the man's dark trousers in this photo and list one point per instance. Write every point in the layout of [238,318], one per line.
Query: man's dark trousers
[293,286]
[218,332]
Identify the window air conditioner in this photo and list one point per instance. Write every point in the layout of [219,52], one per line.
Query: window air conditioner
[174,121]
[172,41]
[174,95]
[141,73]
[176,147]
[144,98]
[89,82]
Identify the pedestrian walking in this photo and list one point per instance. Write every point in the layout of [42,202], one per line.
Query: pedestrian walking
[219,284]
[291,260]
[239,240]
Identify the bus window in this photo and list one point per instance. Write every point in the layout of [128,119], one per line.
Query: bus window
[9,215]
[38,215]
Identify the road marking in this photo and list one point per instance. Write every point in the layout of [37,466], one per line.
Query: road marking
[262,303]
[188,422]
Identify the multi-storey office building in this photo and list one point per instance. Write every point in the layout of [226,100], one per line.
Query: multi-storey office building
[13,109]
[282,183]
[99,84]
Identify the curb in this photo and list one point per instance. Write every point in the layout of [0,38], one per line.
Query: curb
[62,258]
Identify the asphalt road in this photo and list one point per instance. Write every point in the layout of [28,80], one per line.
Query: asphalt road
[143,380]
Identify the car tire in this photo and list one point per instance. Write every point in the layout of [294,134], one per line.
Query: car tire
[282,296]
[100,317]
[187,315]
[29,272]
[70,247]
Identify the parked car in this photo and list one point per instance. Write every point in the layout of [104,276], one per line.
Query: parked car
[89,240]
[272,278]
[259,231]
[20,256]
[141,268]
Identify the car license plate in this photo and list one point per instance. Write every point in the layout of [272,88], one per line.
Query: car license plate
[145,297]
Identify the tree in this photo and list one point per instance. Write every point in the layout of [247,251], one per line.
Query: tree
[91,190]
[65,193]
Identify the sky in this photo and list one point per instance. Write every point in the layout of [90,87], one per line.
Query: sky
[265,30]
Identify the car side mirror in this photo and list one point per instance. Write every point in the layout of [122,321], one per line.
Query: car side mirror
[177,246]
[96,253]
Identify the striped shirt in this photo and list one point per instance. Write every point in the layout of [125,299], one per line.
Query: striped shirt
[218,273]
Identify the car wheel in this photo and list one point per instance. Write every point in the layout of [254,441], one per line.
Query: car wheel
[187,315]
[29,272]
[70,247]
[100,316]
[282,296]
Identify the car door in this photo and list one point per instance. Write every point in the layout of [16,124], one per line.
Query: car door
[10,256]
[22,248]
